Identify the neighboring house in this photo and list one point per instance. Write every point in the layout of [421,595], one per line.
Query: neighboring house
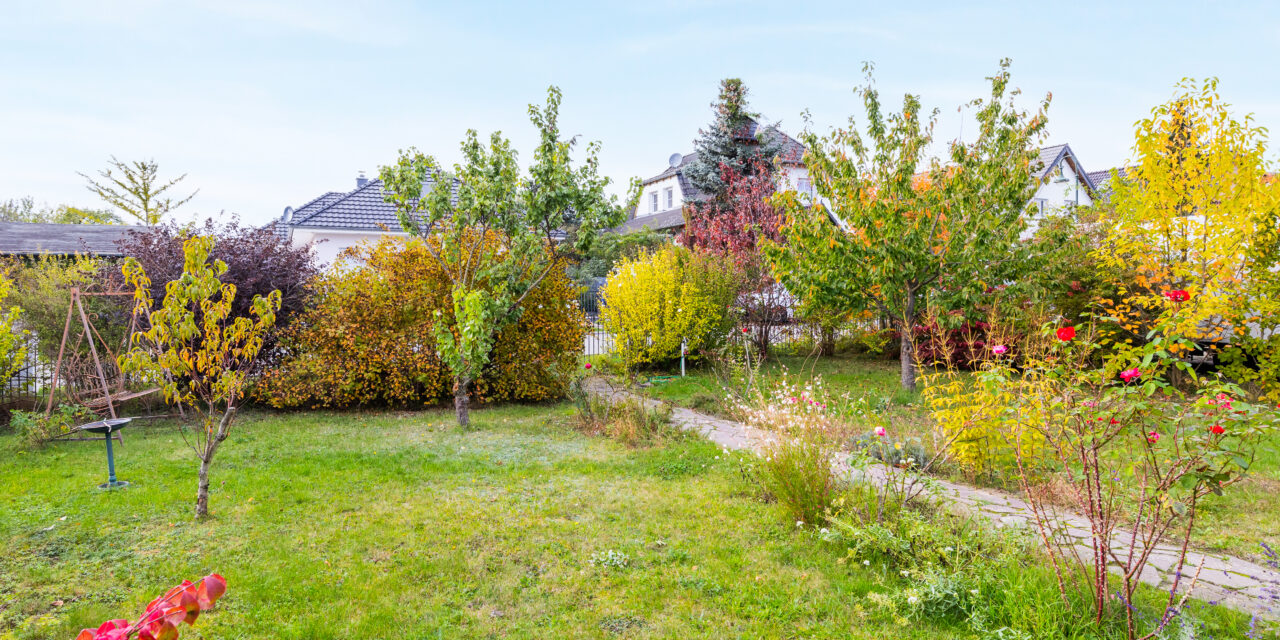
[662,197]
[1064,182]
[39,238]
[336,221]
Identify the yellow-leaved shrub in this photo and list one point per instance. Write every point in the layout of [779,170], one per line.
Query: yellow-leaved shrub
[659,299]
[974,418]
[366,338]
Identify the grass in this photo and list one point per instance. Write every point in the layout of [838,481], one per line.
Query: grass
[332,525]
[1236,523]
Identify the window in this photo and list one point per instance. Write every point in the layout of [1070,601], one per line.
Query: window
[671,197]
[653,202]
[1039,204]
[803,186]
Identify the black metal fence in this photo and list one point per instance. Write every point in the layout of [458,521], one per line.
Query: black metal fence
[598,341]
[32,377]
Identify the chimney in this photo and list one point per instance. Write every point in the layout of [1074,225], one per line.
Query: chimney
[361,180]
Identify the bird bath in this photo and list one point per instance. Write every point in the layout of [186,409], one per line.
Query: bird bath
[107,428]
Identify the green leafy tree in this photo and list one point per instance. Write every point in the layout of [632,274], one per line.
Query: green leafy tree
[135,188]
[556,208]
[731,144]
[891,231]
[195,349]
[25,210]
[610,248]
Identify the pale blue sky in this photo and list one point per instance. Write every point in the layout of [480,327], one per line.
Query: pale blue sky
[270,104]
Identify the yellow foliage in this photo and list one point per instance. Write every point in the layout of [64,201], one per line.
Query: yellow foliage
[658,299]
[976,419]
[1183,217]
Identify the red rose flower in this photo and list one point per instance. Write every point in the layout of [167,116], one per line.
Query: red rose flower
[1066,334]
[1178,295]
[588,365]
[1153,437]
[1217,430]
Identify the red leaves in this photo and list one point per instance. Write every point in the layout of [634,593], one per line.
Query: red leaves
[182,603]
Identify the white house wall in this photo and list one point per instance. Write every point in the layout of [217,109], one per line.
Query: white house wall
[329,243]
[645,206]
[1057,193]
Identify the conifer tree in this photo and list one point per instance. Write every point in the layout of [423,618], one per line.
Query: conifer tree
[731,140]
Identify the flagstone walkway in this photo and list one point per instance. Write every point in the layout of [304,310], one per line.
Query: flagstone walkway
[1224,579]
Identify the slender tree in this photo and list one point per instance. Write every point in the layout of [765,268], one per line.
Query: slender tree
[892,231]
[136,190]
[534,222]
[196,349]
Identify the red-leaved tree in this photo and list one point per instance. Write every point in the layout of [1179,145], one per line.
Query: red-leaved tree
[733,227]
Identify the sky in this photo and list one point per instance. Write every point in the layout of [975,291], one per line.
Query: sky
[269,104]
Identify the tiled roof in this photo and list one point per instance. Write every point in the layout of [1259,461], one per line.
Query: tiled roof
[363,209]
[31,238]
[1102,179]
[1049,157]
[661,221]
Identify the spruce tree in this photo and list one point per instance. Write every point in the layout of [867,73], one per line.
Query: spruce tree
[729,141]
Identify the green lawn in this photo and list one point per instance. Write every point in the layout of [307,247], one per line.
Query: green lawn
[384,525]
[1237,522]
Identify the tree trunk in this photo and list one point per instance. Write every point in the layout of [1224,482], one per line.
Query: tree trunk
[906,357]
[206,461]
[827,341]
[462,401]
[202,490]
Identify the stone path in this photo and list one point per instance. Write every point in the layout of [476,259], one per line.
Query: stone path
[1238,583]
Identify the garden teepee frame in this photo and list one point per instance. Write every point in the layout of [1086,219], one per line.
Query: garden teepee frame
[108,399]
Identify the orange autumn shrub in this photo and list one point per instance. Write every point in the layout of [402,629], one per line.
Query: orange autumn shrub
[366,337]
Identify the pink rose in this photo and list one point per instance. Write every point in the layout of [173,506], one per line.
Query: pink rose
[879,431]
[999,349]
[1129,374]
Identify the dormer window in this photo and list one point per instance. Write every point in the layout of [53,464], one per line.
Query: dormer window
[653,202]
[671,198]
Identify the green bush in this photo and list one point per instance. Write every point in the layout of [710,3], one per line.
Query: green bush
[366,337]
[660,299]
[35,428]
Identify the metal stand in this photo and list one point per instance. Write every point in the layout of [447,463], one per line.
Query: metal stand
[107,428]
[111,482]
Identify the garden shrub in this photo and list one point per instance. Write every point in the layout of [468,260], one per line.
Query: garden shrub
[36,428]
[366,338]
[654,302]
[258,262]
